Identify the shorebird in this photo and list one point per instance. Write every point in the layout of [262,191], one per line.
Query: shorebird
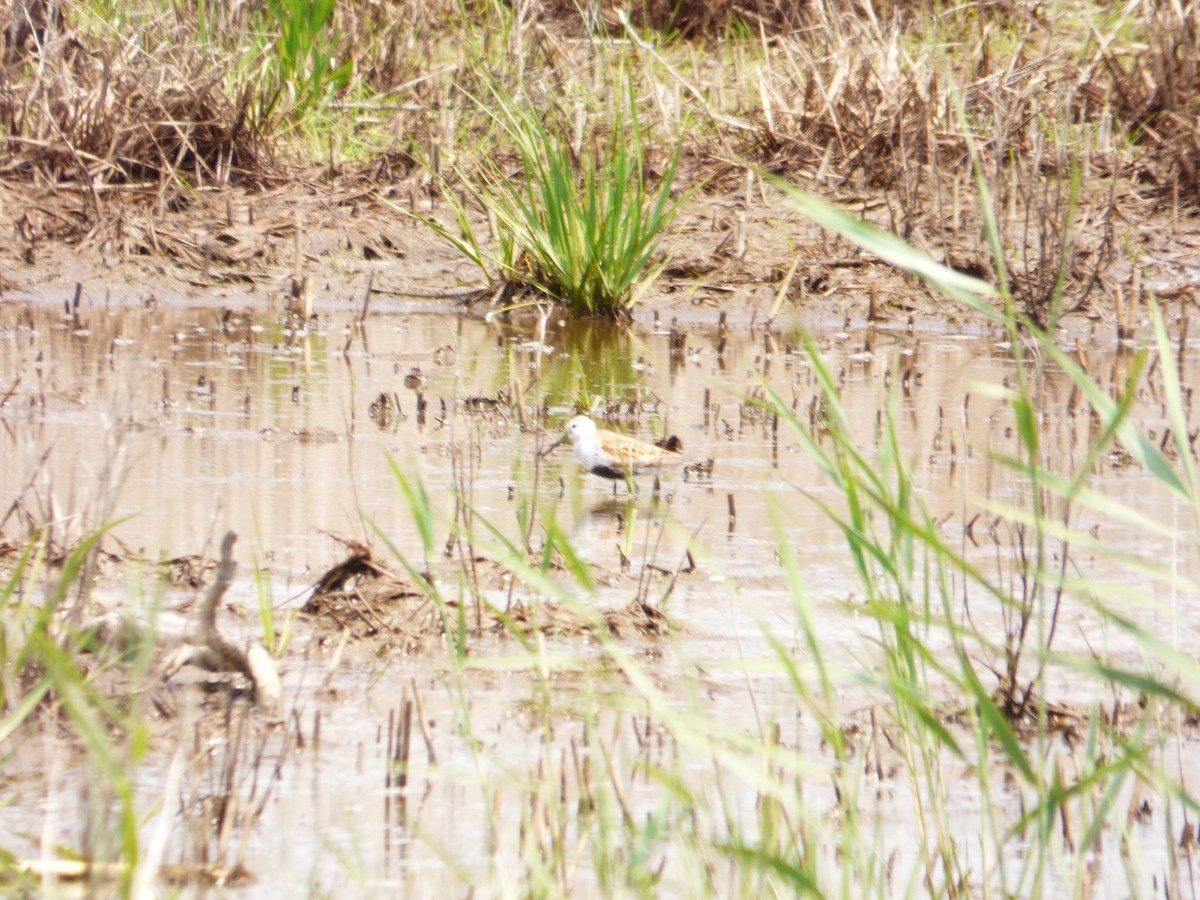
[612,455]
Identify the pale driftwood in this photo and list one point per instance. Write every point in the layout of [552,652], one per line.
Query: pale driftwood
[260,669]
[215,654]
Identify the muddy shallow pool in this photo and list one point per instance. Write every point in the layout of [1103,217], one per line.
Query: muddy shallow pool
[176,424]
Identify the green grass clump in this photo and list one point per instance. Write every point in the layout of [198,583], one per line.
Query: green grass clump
[580,223]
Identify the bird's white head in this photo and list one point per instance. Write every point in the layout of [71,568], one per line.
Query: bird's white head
[580,431]
[581,428]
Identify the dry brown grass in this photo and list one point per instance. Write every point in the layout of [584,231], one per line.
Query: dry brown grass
[885,113]
[1155,95]
[98,115]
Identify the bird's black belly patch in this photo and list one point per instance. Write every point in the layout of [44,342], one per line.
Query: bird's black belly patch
[608,472]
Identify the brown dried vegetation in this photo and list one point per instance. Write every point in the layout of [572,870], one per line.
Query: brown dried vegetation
[97,116]
[363,596]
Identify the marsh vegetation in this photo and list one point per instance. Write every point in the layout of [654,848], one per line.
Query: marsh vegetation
[911,282]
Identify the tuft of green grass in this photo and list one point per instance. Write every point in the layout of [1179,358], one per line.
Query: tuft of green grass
[580,221]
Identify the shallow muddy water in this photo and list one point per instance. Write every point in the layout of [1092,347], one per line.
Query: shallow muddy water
[180,423]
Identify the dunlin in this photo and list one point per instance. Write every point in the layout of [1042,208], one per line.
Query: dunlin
[612,455]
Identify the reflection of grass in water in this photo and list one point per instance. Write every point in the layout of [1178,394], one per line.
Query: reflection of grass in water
[591,360]
[597,361]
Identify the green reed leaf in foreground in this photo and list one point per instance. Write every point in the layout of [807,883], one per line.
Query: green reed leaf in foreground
[556,541]
[879,526]
[1133,438]
[795,878]
[890,248]
[417,499]
[111,739]
[1176,406]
